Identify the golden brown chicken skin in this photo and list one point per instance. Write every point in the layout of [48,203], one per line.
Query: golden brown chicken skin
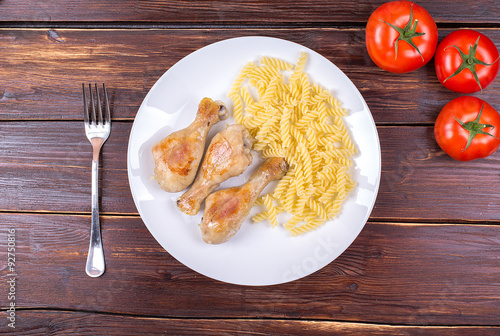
[226,209]
[177,157]
[228,155]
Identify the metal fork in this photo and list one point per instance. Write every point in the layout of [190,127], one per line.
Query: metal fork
[97,129]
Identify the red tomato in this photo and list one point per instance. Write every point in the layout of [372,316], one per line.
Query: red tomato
[466,61]
[401,36]
[468,128]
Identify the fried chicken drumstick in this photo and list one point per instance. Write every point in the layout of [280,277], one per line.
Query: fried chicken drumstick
[226,209]
[228,155]
[178,156]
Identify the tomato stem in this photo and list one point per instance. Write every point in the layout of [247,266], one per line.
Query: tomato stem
[469,62]
[474,128]
[406,34]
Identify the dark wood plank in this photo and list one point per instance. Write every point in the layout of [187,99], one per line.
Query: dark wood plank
[421,181]
[42,69]
[231,12]
[416,274]
[45,166]
[44,323]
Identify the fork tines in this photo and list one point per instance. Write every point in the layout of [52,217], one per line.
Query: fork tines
[95,115]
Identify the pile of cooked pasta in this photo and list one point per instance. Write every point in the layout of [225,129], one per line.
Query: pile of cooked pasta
[294,118]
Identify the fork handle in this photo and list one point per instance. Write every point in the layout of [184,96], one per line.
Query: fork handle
[95,258]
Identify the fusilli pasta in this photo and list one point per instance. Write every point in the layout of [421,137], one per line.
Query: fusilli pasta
[292,117]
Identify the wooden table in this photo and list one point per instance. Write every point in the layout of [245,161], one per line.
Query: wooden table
[427,262]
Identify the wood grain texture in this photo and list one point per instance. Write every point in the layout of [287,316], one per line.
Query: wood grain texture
[43,69]
[45,166]
[439,275]
[420,181]
[233,12]
[426,263]
[47,323]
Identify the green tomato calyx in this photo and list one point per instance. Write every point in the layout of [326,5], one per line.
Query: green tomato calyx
[474,128]
[407,34]
[469,62]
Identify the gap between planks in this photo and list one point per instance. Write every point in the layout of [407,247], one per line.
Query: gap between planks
[243,319]
[371,221]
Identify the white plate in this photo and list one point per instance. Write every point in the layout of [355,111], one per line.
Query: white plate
[257,254]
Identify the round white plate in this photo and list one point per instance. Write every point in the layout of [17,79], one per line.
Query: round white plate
[257,254]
